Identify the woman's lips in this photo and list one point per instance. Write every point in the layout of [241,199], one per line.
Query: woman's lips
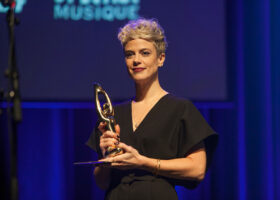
[138,69]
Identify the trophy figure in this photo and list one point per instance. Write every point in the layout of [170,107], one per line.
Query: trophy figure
[106,114]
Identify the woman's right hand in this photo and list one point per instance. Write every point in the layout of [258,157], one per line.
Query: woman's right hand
[108,138]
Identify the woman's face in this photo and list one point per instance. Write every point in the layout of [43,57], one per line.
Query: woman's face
[142,60]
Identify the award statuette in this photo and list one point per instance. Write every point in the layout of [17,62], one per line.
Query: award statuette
[106,114]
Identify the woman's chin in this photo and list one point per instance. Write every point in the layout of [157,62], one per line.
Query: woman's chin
[138,77]
[141,81]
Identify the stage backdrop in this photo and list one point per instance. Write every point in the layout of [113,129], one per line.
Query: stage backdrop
[65,45]
[246,163]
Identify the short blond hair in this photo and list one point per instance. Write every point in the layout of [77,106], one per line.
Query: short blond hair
[146,29]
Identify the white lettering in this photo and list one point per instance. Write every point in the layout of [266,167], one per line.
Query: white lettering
[59,1]
[76,12]
[88,13]
[120,12]
[108,13]
[98,13]
[106,2]
[61,11]
[84,2]
[96,2]
[108,10]
[133,12]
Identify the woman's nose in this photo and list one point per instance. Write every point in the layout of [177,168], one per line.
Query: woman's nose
[136,60]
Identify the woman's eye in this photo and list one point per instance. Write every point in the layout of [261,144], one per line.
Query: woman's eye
[146,53]
[128,54]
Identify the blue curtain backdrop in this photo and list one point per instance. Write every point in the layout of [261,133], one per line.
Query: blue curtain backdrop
[246,163]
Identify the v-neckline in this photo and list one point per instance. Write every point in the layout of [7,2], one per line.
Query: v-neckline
[146,116]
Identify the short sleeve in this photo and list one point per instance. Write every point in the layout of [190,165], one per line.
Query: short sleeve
[194,129]
[93,141]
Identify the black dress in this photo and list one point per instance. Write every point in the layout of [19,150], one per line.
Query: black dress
[171,128]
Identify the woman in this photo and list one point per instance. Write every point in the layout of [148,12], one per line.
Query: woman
[165,139]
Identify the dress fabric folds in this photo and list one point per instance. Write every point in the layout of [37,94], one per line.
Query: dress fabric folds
[170,130]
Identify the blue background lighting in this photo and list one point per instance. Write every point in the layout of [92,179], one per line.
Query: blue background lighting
[246,164]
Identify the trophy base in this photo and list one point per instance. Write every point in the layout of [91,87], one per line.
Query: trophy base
[94,163]
[112,152]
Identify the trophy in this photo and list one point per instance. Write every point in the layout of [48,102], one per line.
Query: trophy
[106,114]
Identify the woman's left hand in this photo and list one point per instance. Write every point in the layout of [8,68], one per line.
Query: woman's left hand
[130,159]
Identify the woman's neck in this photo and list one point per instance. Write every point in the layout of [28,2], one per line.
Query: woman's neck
[148,91]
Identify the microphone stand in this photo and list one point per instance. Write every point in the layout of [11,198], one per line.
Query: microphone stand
[14,112]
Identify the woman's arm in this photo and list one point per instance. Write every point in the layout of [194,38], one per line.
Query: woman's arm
[102,177]
[192,167]
[108,138]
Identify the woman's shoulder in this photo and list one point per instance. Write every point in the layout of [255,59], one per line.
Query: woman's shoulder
[177,101]
[180,105]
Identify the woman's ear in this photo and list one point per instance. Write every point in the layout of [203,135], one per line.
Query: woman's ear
[161,59]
